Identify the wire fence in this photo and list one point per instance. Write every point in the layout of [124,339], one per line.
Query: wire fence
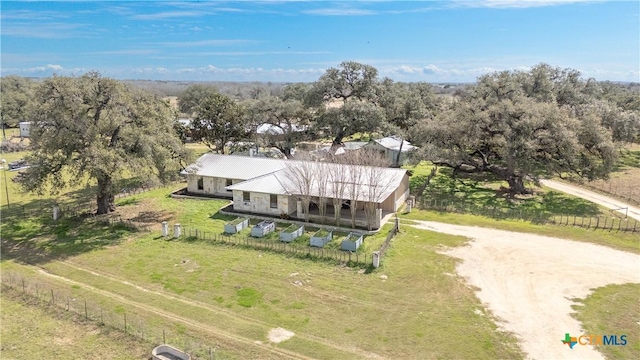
[387,241]
[628,193]
[304,252]
[612,223]
[117,318]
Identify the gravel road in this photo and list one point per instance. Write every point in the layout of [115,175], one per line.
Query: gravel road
[617,205]
[528,282]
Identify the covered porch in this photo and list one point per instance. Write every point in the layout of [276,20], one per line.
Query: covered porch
[380,218]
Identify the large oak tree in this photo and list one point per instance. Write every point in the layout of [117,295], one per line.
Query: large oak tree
[521,126]
[218,121]
[95,129]
[346,98]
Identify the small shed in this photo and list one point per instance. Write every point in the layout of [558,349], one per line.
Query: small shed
[236,225]
[263,228]
[291,233]
[321,238]
[25,128]
[351,242]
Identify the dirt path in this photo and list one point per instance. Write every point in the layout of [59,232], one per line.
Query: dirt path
[237,317]
[282,353]
[527,281]
[632,212]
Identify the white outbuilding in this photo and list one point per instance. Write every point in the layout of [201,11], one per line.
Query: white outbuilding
[25,127]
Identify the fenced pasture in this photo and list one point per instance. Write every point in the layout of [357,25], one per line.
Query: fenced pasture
[245,293]
[597,222]
[29,329]
[624,185]
[57,300]
[300,246]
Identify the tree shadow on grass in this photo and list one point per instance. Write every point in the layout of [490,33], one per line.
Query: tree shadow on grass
[29,234]
[38,241]
[471,194]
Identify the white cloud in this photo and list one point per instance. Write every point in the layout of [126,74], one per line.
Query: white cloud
[339,12]
[504,4]
[399,72]
[125,52]
[168,15]
[45,70]
[212,42]
[44,30]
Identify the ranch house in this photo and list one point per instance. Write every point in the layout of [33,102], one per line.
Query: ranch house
[272,187]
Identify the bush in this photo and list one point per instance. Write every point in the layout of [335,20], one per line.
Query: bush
[8,146]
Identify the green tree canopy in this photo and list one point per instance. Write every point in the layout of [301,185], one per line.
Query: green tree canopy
[92,128]
[289,120]
[346,100]
[219,121]
[507,128]
[16,99]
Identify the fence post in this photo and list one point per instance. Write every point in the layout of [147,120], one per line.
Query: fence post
[164,338]
[68,303]
[86,313]
[23,289]
[597,222]
[125,322]
[53,301]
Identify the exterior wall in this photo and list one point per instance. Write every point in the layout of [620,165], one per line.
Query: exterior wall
[25,129]
[397,197]
[207,182]
[375,146]
[402,192]
[212,185]
[389,203]
[261,203]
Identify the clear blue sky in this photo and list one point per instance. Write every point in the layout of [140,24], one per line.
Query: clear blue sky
[284,41]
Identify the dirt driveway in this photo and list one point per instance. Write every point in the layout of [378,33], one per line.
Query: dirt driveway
[528,281]
[606,201]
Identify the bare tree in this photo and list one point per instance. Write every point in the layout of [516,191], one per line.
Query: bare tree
[337,173]
[376,182]
[321,183]
[301,173]
[354,179]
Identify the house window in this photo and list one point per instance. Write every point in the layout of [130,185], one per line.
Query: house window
[246,196]
[229,182]
[273,203]
[200,184]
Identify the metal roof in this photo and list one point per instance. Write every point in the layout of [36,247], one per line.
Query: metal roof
[234,167]
[367,183]
[273,183]
[393,143]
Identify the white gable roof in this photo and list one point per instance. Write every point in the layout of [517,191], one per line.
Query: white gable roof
[375,182]
[393,143]
[233,167]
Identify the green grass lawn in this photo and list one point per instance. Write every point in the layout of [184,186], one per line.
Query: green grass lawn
[30,332]
[626,241]
[613,310]
[418,309]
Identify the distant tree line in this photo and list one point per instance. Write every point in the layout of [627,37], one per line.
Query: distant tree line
[516,126]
